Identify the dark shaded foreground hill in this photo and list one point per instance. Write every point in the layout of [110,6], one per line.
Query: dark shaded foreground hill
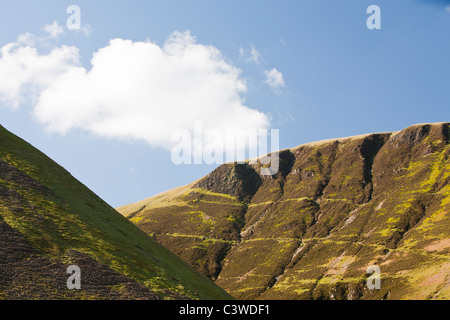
[49,221]
[334,209]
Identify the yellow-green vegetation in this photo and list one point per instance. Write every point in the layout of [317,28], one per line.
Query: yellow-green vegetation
[59,217]
[200,226]
[312,230]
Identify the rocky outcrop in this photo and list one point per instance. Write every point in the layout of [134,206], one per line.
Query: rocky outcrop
[240,181]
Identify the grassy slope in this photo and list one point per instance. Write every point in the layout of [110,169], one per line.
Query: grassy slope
[74,218]
[179,221]
[312,231]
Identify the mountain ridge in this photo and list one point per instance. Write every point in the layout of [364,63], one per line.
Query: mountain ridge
[323,199]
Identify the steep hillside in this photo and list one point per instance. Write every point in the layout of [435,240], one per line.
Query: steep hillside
[311,231]
[49,221]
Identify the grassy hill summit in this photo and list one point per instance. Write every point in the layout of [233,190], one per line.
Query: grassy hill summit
[50,221]
[336,209]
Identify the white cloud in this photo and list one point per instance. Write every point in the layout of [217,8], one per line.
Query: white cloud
[274,79]
[447,8]
[27,39]
[251,55]
[24,73]
[133,91]
[54,29]
[254,55]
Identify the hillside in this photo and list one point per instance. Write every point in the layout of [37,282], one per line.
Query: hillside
[335,208]
[49,221]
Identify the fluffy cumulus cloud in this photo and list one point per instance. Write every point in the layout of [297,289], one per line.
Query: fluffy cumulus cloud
[133,90]
[25,74]
[274,79]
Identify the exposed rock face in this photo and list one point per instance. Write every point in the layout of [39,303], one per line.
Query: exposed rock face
[240,181]
[311,231]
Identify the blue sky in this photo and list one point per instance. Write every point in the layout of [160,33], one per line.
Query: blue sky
[338,77]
